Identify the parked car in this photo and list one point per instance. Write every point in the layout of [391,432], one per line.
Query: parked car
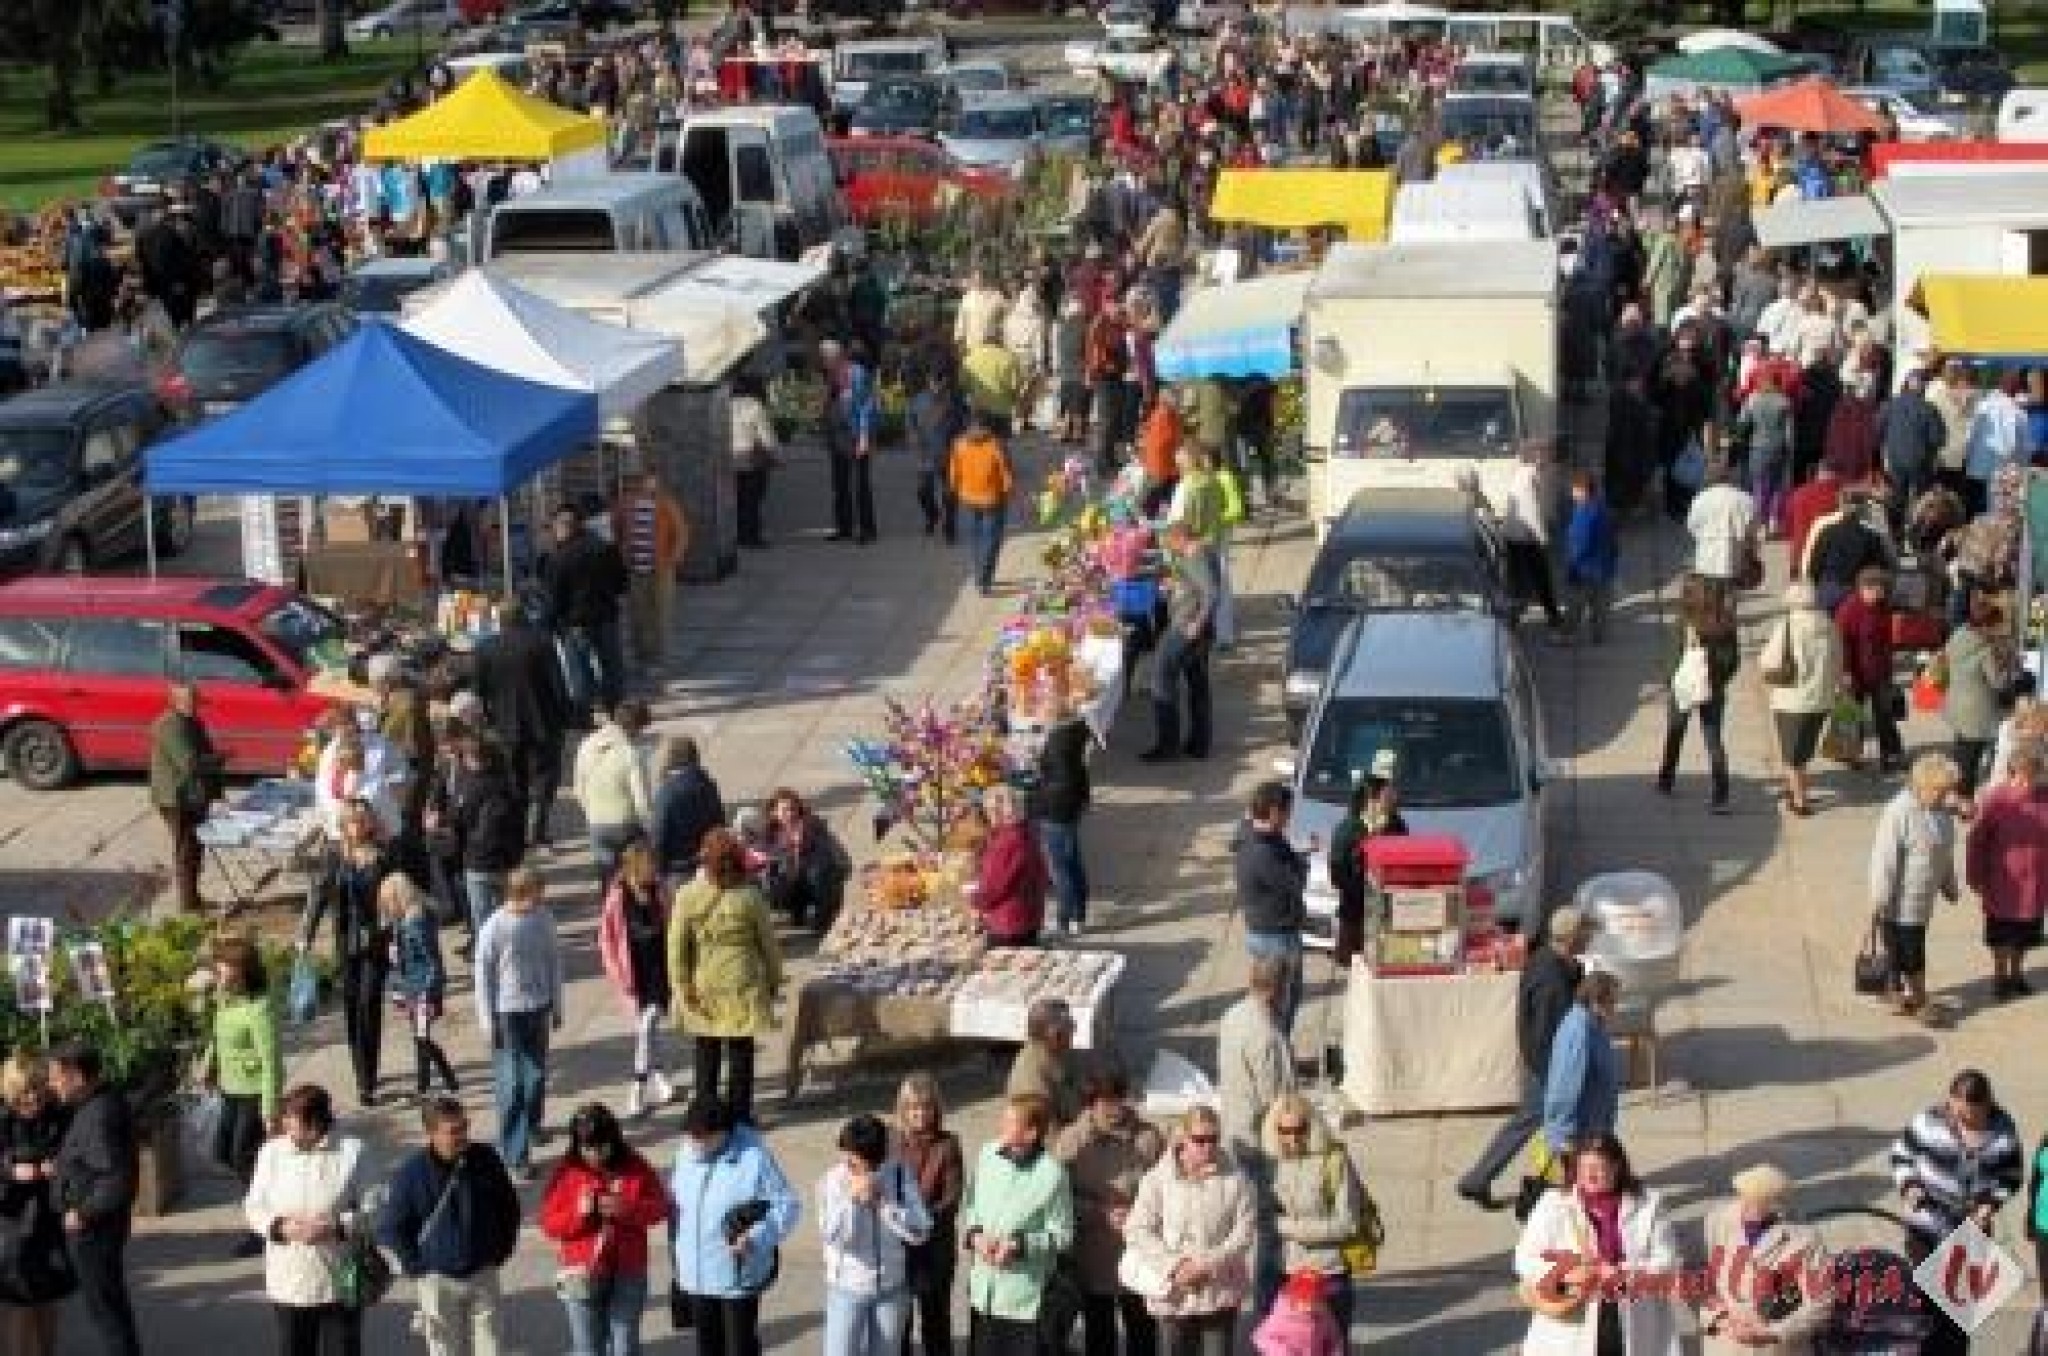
[902,105]
[903,178]
[984,75]
[1911,63]
[406,18]
[380,286]
[1206,16]
[995,132]
[592,16]
[71,478]
[857,64]
[1069,123]
[237,354]
[1918,114]
[159,167]
[1452,696]
[1129,58]
[1127,20]
[1414,549]
[84,671]
[1494,73]
[1494,126]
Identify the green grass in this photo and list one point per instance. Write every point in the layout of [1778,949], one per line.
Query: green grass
[2018,29]
[274,93]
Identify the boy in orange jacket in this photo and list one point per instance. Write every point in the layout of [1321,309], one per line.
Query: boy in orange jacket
[979,472]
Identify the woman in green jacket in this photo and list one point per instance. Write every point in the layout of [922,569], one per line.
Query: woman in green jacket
[244,1062]
[1018,1219]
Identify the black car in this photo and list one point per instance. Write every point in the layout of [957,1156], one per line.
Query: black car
[591,15]
[71,478]
[903,106]
[154,170]
[237,354]
[1393,550]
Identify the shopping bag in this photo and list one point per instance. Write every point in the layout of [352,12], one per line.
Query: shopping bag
[1546,1170]
[1874,962]
[1927,694]
[302,997]
[1842,738]
[1692,683]
[203,1110]
[1689,467]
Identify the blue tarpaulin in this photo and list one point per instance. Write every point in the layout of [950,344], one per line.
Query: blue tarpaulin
[383,413]
[1236,330]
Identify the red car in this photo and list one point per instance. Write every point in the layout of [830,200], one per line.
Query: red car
[894,178]
[85,666]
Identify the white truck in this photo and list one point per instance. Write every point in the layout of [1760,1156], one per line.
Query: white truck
[1427,360]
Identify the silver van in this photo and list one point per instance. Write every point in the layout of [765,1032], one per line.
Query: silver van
[763,174]
[601,214]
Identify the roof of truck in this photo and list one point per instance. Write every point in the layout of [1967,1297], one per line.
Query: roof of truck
[1492,268]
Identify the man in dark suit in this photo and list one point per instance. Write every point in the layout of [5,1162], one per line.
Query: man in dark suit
[95,1176]
[519,678]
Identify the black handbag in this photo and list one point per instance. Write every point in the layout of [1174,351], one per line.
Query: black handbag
[1059,1308]
[681,1316]
[1874,961]
[1526,1196]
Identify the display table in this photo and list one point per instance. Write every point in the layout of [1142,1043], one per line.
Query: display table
[994,1003]
[1425,1043]
[265,830]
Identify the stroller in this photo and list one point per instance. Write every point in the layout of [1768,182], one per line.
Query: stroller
[1879,1310]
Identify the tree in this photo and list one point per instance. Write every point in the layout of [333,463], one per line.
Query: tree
[333,37]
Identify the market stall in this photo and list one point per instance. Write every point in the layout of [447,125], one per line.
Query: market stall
[487,119]
[1429,1013]
[261,832]
[384,413]
[1731,69]
[1358,202]
[1244,329]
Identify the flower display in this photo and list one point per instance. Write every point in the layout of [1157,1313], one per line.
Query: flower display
[931,765]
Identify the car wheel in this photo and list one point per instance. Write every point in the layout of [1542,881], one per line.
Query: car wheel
[40,756]
[175,527]
[382,32]
[73,557]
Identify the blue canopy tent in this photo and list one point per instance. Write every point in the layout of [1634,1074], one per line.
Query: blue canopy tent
[383,413]
[1241,329]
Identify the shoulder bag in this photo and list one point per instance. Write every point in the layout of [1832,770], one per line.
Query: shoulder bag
[1780,666]
[1361,1252]
[1874,959]
[362,1274]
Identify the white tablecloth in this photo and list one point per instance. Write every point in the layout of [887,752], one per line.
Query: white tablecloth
[1430,1042]
[977,1016]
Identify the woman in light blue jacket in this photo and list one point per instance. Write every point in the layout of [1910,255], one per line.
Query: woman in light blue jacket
[734,1211]
[869,1210]
[1582,1091]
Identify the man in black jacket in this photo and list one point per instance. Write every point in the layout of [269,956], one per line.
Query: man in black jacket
[585,577]
[519,678]
[452,1219]
[1271,880]
[686,808]
[95,1174]
[1549,986]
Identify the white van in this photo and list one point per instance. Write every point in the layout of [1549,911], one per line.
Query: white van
[2023,115]
[1471,209]
[763,173]
[1532,177]
[602,214]
[861,60]
[1494,73]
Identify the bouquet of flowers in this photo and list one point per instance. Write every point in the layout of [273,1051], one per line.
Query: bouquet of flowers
[930,766]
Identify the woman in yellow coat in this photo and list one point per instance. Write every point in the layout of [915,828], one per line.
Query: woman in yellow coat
[725,969]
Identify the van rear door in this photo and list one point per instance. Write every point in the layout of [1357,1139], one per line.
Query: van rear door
[706,162]
[763,230]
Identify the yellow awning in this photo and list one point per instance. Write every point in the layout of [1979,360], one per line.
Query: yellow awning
[1360,201]
[1985,315]
[486,119]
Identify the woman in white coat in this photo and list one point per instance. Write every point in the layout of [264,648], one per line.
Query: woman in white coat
[1620,1229]
[305,1202]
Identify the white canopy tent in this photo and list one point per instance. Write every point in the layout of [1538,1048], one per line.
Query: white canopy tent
[505,327]
[1814,221]
[1707,39]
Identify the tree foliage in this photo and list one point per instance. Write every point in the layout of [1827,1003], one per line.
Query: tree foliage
[112,38]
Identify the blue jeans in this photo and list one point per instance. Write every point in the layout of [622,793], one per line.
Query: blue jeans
[864,1325]
[1069,872]
[985,542]
[607,843]
[599,650]
[486,891]
[611,1325]
[519,1081]
[1286,945]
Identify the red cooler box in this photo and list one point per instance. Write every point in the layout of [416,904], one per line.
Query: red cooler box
[1417,922]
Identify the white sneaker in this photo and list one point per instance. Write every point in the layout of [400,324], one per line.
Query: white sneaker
[636,1099]
[659,1090]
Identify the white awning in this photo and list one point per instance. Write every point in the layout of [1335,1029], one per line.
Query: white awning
[1240,329]
[1817,220]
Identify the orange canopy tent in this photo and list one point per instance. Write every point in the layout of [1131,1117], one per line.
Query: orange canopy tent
[1812,105]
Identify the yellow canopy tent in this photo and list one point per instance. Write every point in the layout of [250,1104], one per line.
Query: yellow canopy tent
[1985,315]
[486,119]
[1360,201]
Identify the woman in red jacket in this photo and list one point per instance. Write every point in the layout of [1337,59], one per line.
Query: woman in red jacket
[600,1204]
[1865,620]
[1010,896]
[2007,866]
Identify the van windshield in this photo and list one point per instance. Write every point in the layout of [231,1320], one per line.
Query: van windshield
[584,230]
[1453,754]
[866,65]
[1497,77]
[1491,130]
[34,462]
[1413,422]
[996,124]
[308,632]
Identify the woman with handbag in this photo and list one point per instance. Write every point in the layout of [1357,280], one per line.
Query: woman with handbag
[40,1275]
[1317,1205]
[1802,665]
[1606,1225]
[1709,652]
[870,1215]
[1189,1239]
[1912,865]
[600,1204]
[305,1201]
[931,1153]
[734,1211]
